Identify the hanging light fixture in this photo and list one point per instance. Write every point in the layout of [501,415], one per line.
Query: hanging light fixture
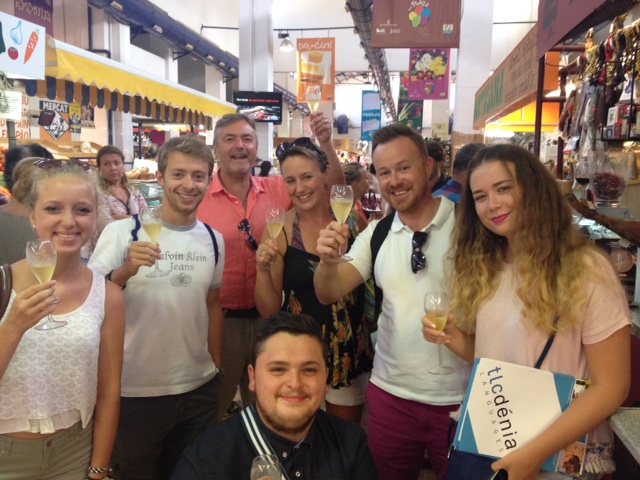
[286,45]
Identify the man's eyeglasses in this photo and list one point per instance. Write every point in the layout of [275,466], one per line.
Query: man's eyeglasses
[303,142]
[245,228]
[418,260]
[48,163]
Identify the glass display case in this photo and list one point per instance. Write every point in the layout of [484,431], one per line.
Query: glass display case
[151,191]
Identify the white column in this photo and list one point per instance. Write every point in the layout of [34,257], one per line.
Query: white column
[440,119]
[474,60]
[122,124]
[256,59]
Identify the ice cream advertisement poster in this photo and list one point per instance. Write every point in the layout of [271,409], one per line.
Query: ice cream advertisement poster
[22,47]
[316,69]
[429,73]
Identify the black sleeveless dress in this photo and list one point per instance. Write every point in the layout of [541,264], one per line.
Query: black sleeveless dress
[346,334]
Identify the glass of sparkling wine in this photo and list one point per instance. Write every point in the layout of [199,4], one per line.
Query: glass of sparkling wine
[275,222]
[266,467]
[313,94]
[41,257]
[341,198]
[436,306]
[151,220]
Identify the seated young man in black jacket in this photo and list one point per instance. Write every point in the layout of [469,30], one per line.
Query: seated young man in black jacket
[288,374]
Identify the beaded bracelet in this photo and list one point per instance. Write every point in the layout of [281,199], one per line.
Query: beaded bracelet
[99,470]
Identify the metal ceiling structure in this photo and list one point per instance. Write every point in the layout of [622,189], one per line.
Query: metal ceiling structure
[142,15]
[362,13]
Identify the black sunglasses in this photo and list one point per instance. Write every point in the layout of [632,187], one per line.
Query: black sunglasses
[245,228]
[418,260]
[48,163]
[303,142]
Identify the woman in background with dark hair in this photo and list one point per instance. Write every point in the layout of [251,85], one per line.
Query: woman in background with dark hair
[15,227]
[265,168]
[356,175]
[116,198]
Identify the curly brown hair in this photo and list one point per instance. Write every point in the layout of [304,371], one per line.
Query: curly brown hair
[549,256]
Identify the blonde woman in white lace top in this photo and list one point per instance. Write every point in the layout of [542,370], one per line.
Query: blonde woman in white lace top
[60,389]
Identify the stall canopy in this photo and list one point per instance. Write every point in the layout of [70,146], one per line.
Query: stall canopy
[74,75]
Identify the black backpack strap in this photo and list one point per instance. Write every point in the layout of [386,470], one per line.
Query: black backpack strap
[214,241]
[548,344]
[136,228]
[378,237]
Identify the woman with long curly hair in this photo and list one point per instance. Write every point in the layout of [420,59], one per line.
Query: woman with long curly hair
[521,271]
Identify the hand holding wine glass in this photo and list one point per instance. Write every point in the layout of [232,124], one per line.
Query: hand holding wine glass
[266,467]
[341,198]
[151,220]
[41,256]
[275,222]
[436,306]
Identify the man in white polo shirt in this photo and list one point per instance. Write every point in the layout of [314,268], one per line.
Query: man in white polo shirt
[408,406]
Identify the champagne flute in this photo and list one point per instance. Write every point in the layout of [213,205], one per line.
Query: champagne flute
[41,257]
[266,467]
[341,198]
[151,221]
[275,222]
[313,95]
[436,306]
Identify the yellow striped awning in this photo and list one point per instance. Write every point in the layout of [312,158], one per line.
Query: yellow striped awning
[78,76]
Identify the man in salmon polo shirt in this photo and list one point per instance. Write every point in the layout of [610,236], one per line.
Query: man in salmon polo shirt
[236,206]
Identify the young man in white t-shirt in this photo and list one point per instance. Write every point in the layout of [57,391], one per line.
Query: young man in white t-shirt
[170,386]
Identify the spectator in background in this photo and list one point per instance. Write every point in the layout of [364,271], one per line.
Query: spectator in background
[439,177]
[265,168]
[152,152]
[453,188]
[15,227]
[375,188]
[116,198]
[356,176]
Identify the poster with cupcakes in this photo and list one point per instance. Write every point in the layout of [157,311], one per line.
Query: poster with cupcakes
[316,71]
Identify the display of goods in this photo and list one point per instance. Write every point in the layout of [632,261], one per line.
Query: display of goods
[608,185]
[2,159]
[141,173]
